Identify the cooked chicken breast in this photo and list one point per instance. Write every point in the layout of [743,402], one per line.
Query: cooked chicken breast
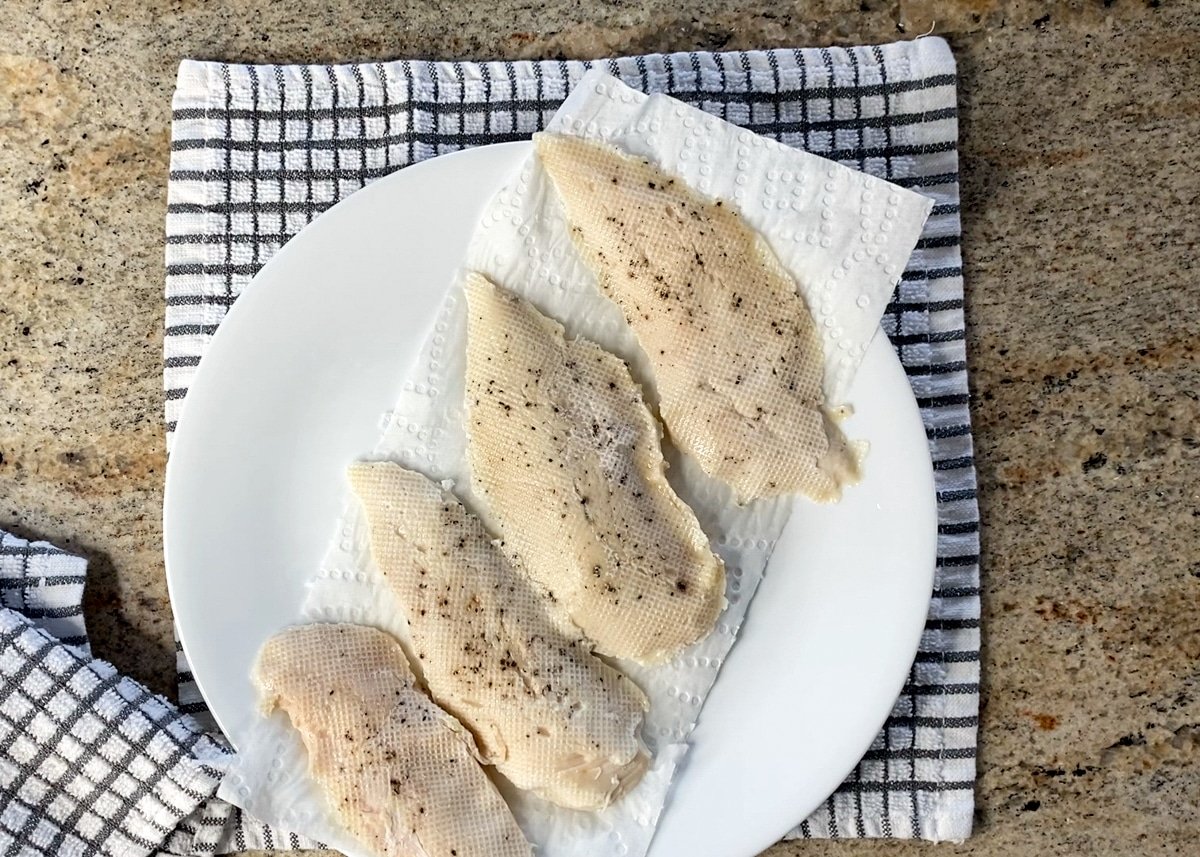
[400,774]
[497,652]
[567,455]
[736,356]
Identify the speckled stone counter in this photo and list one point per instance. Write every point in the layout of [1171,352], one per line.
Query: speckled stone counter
[1081,214]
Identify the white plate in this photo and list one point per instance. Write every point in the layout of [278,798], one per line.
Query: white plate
[293,387]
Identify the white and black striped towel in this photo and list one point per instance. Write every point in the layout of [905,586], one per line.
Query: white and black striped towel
[91,762]
[260,151]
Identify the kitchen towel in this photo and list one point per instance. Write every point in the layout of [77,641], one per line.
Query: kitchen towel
[91,762]
[260,151]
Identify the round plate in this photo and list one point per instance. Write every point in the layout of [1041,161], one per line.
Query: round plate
[293,387]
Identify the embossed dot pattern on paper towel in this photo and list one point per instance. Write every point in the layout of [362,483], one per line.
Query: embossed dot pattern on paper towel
[524,246]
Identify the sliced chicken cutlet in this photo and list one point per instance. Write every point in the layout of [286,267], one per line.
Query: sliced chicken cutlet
[567,454]
[400,773]
[736,356]
[497,652]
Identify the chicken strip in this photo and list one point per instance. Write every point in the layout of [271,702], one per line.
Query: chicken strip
[736,356]
[495,650]
[567,454]
[400,773]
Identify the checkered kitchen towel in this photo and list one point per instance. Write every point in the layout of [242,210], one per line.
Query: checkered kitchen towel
[257,152]
[90,761]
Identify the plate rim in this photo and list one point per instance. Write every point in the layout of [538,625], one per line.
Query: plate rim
[222,333]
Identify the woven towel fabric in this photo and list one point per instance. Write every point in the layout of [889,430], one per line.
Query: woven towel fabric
[260,151]
[45,585]
[90,761]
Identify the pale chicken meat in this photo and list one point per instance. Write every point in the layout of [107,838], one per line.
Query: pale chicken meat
[568,457]
[496,651]
[399,773]
[736,356]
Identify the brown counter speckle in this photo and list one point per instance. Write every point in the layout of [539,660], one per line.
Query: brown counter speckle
[1081,187]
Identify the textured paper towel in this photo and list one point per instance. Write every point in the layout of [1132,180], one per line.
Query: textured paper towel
[844,237]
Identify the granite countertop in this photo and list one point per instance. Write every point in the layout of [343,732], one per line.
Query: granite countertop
[1081,193]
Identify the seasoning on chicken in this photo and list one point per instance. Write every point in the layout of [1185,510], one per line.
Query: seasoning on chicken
[568,457]
[400,774]
[736,356]
[496,651]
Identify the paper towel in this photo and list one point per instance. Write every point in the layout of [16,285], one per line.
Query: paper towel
[843,236]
